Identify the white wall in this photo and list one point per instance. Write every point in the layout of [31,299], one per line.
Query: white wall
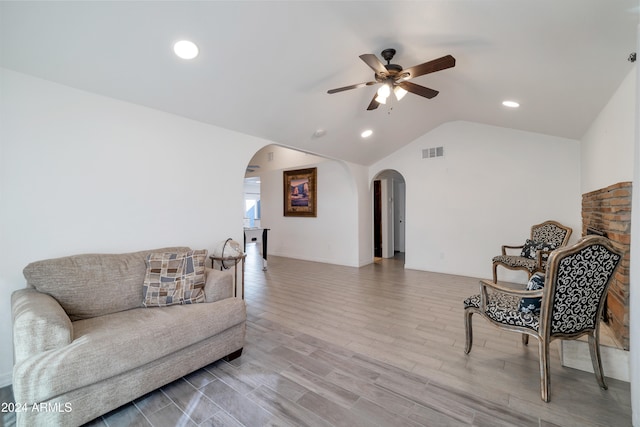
[387,216]
[489,188]
[609,155]
[332,236]
[278,157]
[634,285]
[83,173]
[363,188]
[398,214]
[607,147]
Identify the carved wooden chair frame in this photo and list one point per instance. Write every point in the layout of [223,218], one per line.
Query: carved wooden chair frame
[546,232]
[570,273]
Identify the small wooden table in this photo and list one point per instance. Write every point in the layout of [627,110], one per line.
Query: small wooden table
[235,260]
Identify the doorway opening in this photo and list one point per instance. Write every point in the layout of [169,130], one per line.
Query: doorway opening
[389,226]
[252,203]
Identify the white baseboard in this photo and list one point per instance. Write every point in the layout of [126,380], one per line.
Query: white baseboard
[6,379]
[615,361]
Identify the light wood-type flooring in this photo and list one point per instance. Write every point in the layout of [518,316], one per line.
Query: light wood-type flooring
[379,345]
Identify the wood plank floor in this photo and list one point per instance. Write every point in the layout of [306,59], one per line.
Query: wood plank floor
[374,346]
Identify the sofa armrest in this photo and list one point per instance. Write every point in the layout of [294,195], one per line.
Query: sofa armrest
[39,323]
[218,285]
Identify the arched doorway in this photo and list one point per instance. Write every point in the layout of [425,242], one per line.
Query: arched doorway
[262,187]
[332,236]
[389,201]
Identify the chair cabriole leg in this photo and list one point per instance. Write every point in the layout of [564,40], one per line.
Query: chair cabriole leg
[596,360]
[468,330]
[543,350]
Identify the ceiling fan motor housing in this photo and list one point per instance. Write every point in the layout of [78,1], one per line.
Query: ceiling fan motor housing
[387,54]
[393,69]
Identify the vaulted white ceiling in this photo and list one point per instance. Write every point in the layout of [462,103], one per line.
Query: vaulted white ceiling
[265,66]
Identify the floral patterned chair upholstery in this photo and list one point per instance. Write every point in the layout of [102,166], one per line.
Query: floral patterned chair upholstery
[545,237]
[571,302]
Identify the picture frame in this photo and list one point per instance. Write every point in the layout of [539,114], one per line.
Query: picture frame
[300,192]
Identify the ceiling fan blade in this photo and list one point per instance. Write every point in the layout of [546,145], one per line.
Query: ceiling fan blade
[340,89]
[430,67]
[418,90]
[372,61]
[373,104]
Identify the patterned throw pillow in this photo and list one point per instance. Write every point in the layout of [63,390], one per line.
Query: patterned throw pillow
[531,248]
[193,276]
[532,305]
[174,278]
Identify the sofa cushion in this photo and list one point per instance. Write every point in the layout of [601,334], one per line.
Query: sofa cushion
[106,346]
[91,285]
[174,278]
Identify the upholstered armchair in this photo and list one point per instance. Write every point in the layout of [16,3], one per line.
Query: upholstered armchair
[570,303]
[532,255]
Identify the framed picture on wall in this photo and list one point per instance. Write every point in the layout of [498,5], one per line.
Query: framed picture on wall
[300,192]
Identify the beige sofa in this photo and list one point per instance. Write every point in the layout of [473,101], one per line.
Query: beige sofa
[84,343]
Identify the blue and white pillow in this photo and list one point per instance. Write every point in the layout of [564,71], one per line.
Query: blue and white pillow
[531,248]
[532,305]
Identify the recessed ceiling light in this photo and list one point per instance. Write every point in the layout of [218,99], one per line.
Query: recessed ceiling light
[510,104]
[186,49]
[367,133]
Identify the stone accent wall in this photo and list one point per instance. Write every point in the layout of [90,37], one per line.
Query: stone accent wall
[609,210]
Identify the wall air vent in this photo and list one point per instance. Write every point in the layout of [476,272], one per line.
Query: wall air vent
[428,153]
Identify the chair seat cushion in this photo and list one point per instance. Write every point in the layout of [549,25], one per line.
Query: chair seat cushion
[515,261]
[505,309]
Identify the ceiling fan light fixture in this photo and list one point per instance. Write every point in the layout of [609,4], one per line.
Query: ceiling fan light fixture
[384,91]
[399,92]
[185,49]
[381,99]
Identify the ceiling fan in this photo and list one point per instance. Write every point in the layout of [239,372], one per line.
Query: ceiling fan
[395,79]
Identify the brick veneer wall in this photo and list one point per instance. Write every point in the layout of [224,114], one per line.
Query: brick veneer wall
[609,210]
